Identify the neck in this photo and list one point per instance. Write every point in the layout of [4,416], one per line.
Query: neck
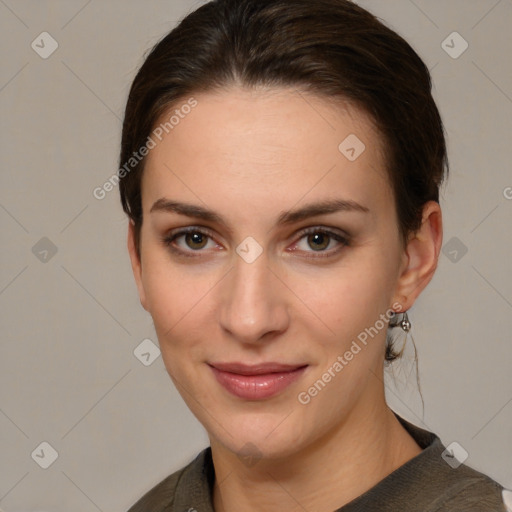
[327,474]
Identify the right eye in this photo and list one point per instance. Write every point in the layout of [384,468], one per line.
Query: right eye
[193,240]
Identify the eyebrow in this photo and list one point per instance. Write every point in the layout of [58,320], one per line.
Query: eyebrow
[285,218]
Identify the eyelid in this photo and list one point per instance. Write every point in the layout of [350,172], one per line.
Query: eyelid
[324,229]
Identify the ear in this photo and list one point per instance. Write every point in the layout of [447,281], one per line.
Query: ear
[136,264]
[421,257]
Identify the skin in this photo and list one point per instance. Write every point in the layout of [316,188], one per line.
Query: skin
[250,155]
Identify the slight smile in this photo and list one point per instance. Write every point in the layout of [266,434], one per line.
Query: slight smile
[256,382]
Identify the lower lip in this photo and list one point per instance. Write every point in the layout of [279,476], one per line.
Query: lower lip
[256,387]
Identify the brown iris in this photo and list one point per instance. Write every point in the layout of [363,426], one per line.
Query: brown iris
[197,240]
[318,241]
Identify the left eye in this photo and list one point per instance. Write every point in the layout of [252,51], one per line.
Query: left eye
[319,241]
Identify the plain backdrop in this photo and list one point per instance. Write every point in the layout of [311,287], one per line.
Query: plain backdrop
[71,320]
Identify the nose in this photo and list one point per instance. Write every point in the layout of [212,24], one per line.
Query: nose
[253,306]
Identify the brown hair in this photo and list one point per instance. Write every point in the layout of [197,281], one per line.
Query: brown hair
[332,48]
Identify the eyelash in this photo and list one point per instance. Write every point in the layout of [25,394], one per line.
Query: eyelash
[344,240]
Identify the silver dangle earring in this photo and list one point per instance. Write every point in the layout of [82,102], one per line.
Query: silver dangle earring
[404,322]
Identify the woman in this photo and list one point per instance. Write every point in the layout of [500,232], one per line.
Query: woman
[280,165]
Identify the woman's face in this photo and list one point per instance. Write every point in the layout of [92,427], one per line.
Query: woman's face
[266,274]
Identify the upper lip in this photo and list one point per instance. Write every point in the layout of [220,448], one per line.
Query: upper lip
[256,369]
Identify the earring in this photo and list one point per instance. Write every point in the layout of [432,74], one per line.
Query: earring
[404,323]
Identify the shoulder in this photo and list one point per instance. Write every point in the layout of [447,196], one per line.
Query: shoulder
[467,490]
[429,484]
[160,497]
[433,481]
[165,496]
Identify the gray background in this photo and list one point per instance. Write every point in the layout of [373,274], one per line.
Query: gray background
[72,320]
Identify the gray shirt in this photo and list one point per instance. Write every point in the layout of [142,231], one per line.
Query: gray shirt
[426,483]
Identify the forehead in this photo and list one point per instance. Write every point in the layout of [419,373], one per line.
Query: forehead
[264,146]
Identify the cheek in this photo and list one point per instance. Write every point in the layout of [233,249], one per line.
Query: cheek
[347,299]
[168,293]
[175,299]
[350,303]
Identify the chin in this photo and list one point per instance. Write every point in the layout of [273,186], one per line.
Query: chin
[259,434]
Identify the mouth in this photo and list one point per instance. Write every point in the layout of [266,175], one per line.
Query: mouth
[256,382]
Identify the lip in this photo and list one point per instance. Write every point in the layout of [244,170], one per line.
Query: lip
[256,382]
